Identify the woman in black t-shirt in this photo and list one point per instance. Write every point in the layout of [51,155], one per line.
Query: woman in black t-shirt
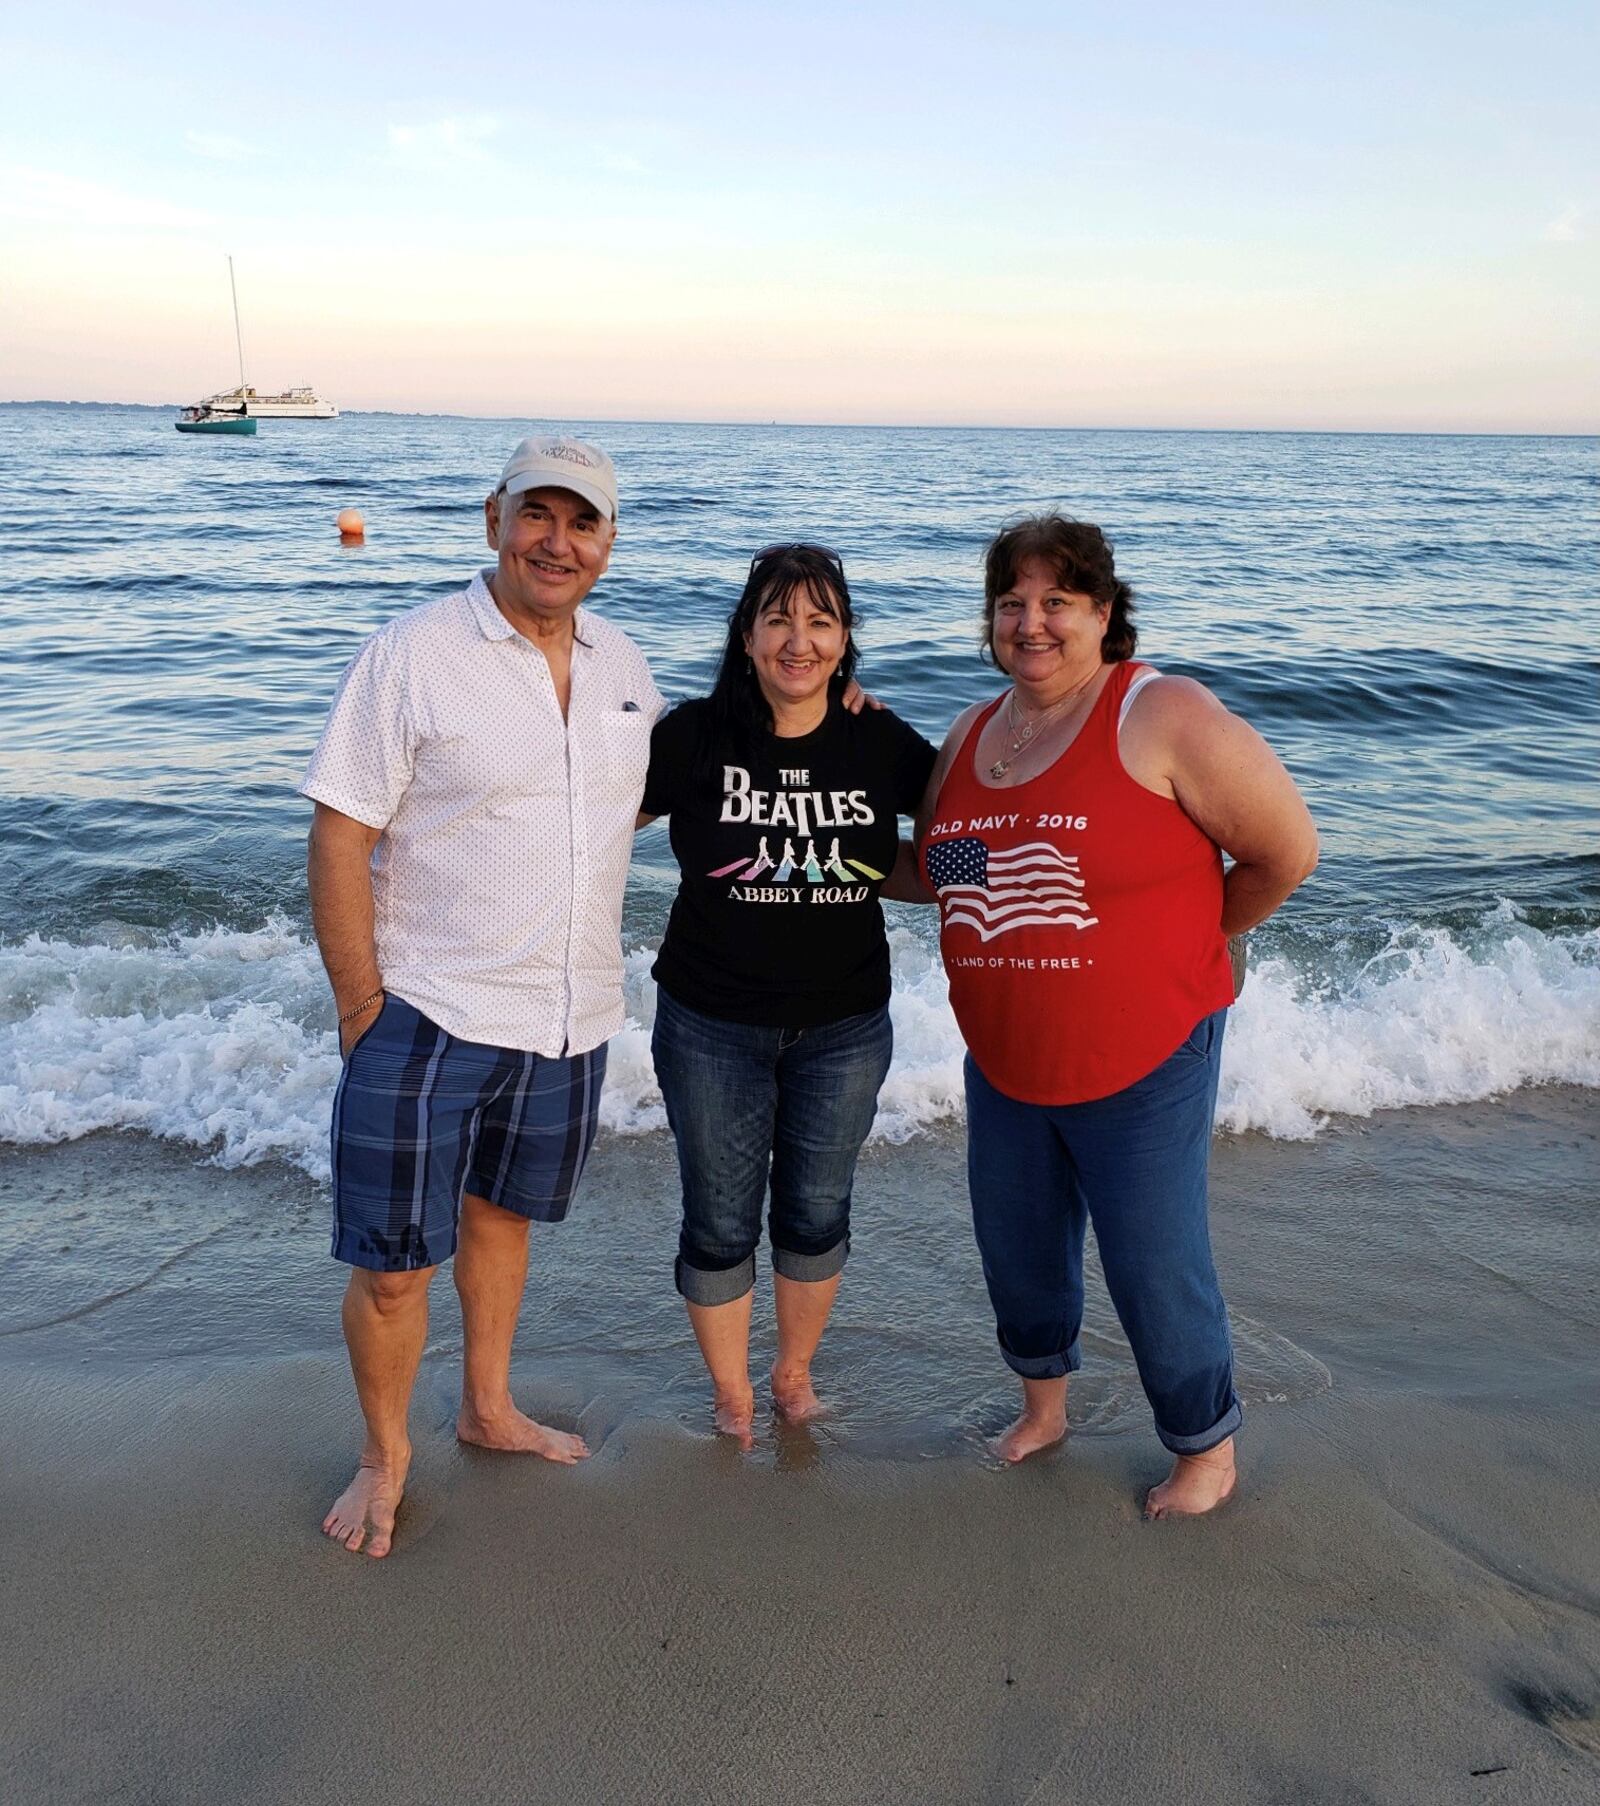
[772,1031]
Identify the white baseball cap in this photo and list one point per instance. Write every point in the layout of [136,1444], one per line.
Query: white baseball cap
[548,461]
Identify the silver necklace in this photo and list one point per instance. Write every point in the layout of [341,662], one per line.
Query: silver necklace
[1022,737]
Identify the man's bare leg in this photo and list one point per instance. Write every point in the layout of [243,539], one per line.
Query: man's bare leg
[1196,1485]
[491,1270]
[1042,1424]
[723,1332]
[385,1328]
[803,1308]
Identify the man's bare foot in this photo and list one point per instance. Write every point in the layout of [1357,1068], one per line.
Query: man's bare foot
[734,1414]
[515,1433]
[1196,1485]
[1031,1432]
[363,1514]
[795,1397]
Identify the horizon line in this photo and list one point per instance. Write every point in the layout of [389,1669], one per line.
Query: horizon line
[908,426]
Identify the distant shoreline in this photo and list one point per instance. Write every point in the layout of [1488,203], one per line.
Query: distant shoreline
[874,426]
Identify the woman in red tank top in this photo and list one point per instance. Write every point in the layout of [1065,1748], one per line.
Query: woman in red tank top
[1073,835]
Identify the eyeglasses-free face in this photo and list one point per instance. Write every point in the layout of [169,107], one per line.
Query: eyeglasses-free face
[794,645]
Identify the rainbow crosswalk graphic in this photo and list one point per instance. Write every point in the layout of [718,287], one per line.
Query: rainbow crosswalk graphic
[812,870]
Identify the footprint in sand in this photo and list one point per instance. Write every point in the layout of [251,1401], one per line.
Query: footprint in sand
[1565,1717]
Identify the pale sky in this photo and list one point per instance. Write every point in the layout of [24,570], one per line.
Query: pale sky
[1341,216]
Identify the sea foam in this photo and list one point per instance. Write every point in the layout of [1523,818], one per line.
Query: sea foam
[225,1039]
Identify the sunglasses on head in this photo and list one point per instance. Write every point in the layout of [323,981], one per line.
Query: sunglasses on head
[798,545]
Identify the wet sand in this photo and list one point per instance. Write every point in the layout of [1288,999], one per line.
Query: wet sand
[1402,1604]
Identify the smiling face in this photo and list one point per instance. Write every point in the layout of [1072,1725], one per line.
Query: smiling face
[553,547]
[1046,637]
[795,644]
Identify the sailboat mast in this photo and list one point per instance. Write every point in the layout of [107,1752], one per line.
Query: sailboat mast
[238,337]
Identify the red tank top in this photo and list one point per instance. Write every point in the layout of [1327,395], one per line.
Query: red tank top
[1080,916]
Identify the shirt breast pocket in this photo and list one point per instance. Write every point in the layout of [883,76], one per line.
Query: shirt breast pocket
[624,752]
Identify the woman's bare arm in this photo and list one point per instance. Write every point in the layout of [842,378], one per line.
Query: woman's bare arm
[1232,785]
[905,883]
[941,768]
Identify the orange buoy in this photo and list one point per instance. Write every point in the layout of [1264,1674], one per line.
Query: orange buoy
[352,528]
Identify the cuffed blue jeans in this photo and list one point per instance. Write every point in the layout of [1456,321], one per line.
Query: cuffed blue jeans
[746,1101]
[1135,1165]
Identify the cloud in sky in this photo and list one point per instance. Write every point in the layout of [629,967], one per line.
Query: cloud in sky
[445,145]
[219,147]
[47,197]
[752,225]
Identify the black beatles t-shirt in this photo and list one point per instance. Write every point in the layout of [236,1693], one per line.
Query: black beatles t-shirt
[784,846]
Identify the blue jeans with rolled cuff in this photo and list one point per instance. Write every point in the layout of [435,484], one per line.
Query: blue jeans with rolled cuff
[748,1103]
[1134,1164]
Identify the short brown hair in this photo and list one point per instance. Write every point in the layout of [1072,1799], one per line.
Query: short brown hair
[1079,556]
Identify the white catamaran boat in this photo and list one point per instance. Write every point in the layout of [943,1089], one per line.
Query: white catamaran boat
[244,403]
[292,404]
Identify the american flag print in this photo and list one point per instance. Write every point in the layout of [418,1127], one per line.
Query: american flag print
[1031,886]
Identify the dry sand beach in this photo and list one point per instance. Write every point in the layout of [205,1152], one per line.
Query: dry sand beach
[1401,1606]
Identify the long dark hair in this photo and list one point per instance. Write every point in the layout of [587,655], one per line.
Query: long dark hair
[1079,556]
[740,714]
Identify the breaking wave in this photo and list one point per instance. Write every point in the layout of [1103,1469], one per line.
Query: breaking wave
[225,1039]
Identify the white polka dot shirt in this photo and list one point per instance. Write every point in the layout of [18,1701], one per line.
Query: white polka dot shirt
[506,830]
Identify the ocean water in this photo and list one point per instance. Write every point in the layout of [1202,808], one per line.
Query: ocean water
[1407,619]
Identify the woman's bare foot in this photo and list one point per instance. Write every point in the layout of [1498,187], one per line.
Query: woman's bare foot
[515,1433]
[363,1514]
[794,1395]
[1043,1421]
[1196,1485]
[1029,1434]
[734,1413]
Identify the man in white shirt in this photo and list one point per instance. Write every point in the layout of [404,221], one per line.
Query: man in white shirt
[476,788]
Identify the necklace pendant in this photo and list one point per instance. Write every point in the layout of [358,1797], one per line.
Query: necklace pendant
[999,768]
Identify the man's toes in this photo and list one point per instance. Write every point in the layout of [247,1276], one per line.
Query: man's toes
[382,1541]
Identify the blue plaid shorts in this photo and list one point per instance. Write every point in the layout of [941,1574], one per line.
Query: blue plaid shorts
[421,1117]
